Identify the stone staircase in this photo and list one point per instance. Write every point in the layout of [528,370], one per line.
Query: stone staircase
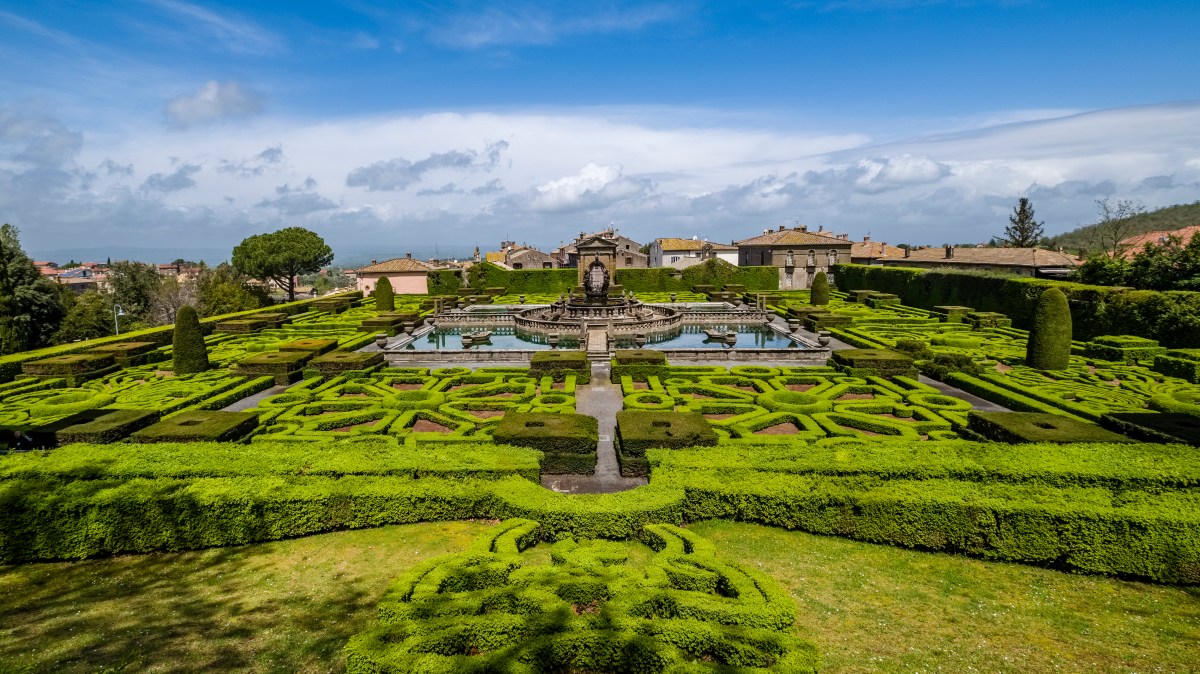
[597,345]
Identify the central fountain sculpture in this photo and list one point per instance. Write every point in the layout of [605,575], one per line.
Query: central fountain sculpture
[592,305]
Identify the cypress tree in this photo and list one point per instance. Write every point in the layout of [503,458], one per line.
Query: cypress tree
[190,354]
[385,299]
[1049,346]
[819,292]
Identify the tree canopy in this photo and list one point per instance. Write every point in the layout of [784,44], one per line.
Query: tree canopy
[279,257]
[1023,230]
[31,307]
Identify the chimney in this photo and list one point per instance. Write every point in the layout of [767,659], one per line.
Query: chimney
[408,255]
[908,251]
[803,228]
[949,252]
[781,228]
[820,228]
[866,238]
[374,261]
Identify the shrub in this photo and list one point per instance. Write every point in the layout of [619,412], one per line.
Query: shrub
[873,363]
[385,299]
[1037,427]
[567,440]
[943,364]
[638,364]
[338,362]
[128,354]
[78,364]
[112,425]
[1124,349]
[819,293]
[190,354]
[950,314]
[282,365]
[639,431]
[1181,363]
[917,349]
[240,325]
[823,321]
[1163,427]
[1049,345]
[199,425]
[314,346]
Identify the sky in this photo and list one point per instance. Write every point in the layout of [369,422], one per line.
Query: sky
[157,129]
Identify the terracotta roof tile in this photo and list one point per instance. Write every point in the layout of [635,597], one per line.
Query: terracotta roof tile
[1012,257]
[672,243]
[793,237]
[397,265]
[875,249]
[1134,244]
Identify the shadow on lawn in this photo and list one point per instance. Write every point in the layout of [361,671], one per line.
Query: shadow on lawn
[218,610]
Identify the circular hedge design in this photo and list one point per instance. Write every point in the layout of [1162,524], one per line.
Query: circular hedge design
[794,401]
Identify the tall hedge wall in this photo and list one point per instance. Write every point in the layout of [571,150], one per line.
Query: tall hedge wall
[487,275]
[714,272]
[1172,318]
[444,282]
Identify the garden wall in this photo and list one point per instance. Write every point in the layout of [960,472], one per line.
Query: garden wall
[1172,318]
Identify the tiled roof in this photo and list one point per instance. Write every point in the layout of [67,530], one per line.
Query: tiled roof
[397,265]
[875,249]
[1134,244]
[793,237]
[1011,257]
[671,243]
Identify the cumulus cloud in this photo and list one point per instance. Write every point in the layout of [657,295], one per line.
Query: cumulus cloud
[179,179]
[873,175]
[593,187]
[215,101]
[448,188]
[30,136]
[493,186]
[112,168]
[399,173]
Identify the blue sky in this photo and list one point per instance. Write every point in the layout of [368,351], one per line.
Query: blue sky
[164,124]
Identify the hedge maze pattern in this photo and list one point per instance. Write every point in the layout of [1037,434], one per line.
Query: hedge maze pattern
[410,404]
[768,405]
[590,610]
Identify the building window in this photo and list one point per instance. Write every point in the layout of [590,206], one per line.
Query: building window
[516,265]
[812,258]
[832,257]
[674,258]
[790,259]
[628,260]
[547,265]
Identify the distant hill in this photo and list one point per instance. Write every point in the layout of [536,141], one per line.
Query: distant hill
[1163,219]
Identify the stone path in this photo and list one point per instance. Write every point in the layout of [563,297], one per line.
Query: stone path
[976,402]
[252,401]
[601,399]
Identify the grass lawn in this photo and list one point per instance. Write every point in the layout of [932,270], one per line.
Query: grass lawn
[290,606]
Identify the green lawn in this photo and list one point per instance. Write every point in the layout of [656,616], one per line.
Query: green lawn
[289,606]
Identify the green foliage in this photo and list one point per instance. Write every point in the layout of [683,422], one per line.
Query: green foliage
[1181,363]
[710,274]
[73,364]
[1049,346]
[873,362]
[385,299]
[89,317]
[1171,318]
[134,286]
[1016,427]
[819,292]
[1124,349]
[199,425]
[1163,219]
[338,362]
[1173,427]
[568,440]
[111,426]
[639,431]
[444,282]
[281,256]
[222,290]
[1170,265]
[488,610]
[518,281]
[1103,270]
[31,307]
[1023,230]
[190,354]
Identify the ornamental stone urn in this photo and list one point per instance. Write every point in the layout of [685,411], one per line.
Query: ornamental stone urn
[673,297]
[521,299]
[408,328]
[640,339]
[381,339]
[552,340]
[823,337]
[793,325]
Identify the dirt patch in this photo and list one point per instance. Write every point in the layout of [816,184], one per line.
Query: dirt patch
[889,415]
[558,386]
[590,608]
[353,395]
[864,432]
[718,417]
[641,386]
[701,396]
[857,396]
[427,426]
[487,414]
[799,387]
[504,395]
[408,387]
[786,428]
[747,389]
[1001,367]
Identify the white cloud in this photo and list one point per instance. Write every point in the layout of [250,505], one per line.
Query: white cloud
[212,102]
[541,176]
[235,34]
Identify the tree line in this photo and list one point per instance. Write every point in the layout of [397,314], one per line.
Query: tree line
[36,311]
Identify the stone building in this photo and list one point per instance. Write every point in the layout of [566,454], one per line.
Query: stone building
[681,253]
[628,252]
[798,253]
[407,276]
[1036,262]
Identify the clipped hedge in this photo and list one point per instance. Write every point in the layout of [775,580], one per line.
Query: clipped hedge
[113,425]
[640,430]
[559,364]
[710,274]
[187,347]
[337,362]
[199,425]
[640,364]
[1049,343]
[873,363]
[1016,427]
[551,433]
[1172,317]
[1181,363]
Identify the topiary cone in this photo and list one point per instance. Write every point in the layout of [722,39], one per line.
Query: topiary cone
[1049,346]
[819,292]
[385,299]
[190,354]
